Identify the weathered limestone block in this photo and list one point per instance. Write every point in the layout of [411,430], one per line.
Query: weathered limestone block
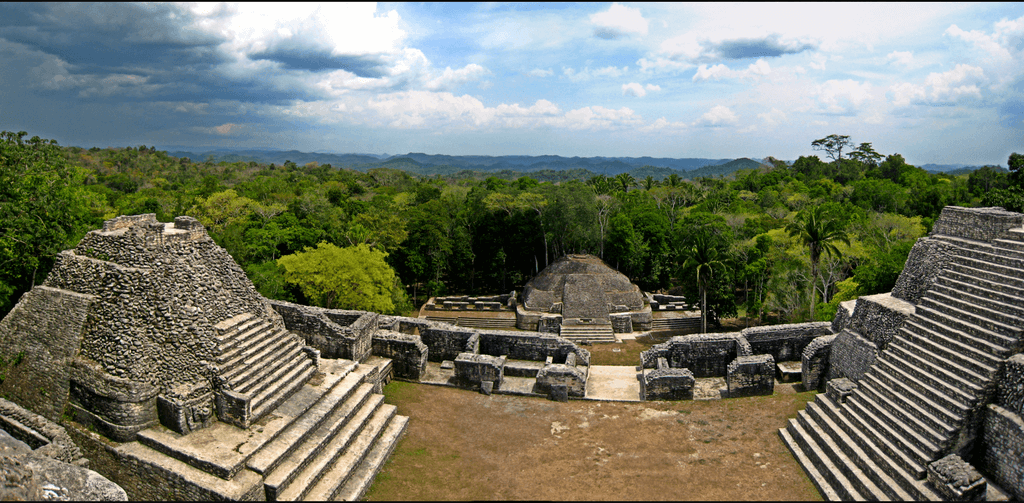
[30,476]
[559,393]
[784,342]
[666,383]
[843,314]
[956,480]
[621,323]
[558,374]
[444,341]
[186,408]
[44,436]
[879,317]
[118,408]
[549,324]
[980,224]
[471,369]
[37,340]
[851,355]
[234,408]
[527,346]
[926,260]
[1011,386]
[336,333]
[706,355]
[814,362]
[1003,437]
[751,376]
[407,352]
[839,389]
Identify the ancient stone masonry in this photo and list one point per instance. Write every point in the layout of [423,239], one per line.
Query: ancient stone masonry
[185,383]
[929,371]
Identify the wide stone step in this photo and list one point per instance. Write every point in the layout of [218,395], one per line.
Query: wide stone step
[937,401]
[940,418]
[833,476]
[923,358]
[241,334]
[342,469]
[935,376]
[959,275]
[343,421]
[971,349]
[272,396]
[363,475]
[857,463]
[268,336]
[864,437]
[981,292]
[824,440]
[226,326]
[948,324]
[940,391]
[935,352]
[993,272]
[909,444]
[809,465]
[364,421]
[244,486]
[1003,257]
[258,369]
[1004,320]
[467,321]
[906,408]
[1009,245]
[336,405]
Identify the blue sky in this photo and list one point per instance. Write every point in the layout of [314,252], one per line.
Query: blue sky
[938,83]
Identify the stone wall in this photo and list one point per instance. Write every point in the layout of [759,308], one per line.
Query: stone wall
[574,379]
[879,317]
[751,376]
[784,342]
[814,362]
[666,383]
[850,356]
[980,224]
[407,352]
[44,436]
[323,329]
[706,355]
[473,369]
[526,346]
[38,339]
[114,406]
[445,342]
[926,260]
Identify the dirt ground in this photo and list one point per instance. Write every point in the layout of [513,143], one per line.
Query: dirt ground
[463,445]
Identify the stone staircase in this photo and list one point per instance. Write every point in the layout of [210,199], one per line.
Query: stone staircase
[475,322]
[582,332]
[325,442]
[926,388]
[260,366]
[675,324]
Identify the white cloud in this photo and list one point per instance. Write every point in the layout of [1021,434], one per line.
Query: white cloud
[773,117]
[451,78]
[664,125]
[900,57]
[719,115]
[662,64]
[540,72]
[652,87]
[717,72]
[597,117]
[633,89]
[587,73]
[960,83]
[843,96]
[617,21]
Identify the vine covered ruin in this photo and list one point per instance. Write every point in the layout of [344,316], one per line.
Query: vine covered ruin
[148,352]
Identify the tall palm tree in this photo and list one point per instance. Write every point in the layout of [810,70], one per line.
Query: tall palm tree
[649,183]
[704,257]
[819,230]
[673,180]
[625,180]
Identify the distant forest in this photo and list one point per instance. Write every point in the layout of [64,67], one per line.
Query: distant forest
[310,232]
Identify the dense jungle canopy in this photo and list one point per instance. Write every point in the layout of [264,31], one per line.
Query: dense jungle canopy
[785,239]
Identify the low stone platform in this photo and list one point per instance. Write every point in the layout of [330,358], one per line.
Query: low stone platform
[613,382]
[789,371]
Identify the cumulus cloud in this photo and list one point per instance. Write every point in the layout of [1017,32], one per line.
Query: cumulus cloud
[663,124]
[540,72]
[717,72]
[450,78]
[774,117]
[946,88]
[618,21]
[662,64]
[843,97]
[637,90]
[718,116]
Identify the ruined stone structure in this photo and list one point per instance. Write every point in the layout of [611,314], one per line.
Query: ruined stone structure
[923,384]
[185,383]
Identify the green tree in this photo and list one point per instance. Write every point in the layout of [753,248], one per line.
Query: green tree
[819,229]
[703,257]
[624,181]
[355,277]
[833,145]
[866,154]
[42,211]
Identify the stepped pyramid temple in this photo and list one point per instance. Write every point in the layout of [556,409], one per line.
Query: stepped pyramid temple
[148,355]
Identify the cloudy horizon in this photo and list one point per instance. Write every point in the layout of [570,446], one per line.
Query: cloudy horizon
[937,83]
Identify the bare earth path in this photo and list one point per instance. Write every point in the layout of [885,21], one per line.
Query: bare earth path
[463,445]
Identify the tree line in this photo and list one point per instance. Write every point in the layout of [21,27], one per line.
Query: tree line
[781,243]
